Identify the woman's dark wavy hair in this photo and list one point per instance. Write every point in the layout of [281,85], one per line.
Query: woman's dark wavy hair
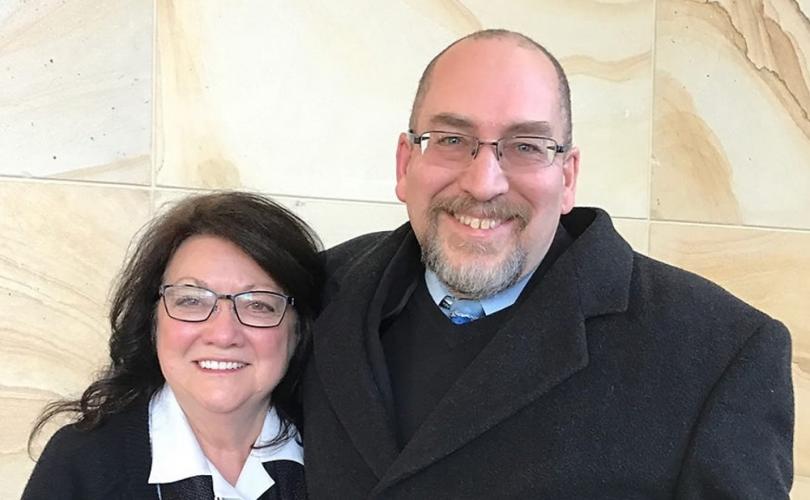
[282,244]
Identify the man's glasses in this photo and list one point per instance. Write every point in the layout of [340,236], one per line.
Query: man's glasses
[455,150]
[256,308]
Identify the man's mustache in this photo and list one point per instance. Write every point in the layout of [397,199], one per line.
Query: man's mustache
[498,208]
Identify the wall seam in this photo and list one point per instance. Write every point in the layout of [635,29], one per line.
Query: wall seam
[155,76]
[651,152]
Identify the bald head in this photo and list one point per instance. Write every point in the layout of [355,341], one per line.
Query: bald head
[564,94]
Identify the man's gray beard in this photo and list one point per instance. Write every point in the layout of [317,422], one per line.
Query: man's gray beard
[471,280]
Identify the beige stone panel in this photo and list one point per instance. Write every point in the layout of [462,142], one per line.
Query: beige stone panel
[334,221]
[613,134]
[321,117]
[635,231]
[76,99]
[338,221]
[801,488]
[289,98]
[610,73]
[61,247]
[732,132]
[769,269]
[20,409]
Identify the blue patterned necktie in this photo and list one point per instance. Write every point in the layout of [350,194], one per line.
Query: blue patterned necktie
[461,311]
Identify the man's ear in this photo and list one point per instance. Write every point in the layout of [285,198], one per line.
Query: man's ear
[570,171]
[404,150]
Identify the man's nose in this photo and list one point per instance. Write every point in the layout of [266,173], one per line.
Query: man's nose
[483,178]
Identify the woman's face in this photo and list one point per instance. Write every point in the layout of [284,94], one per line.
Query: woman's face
[220,366]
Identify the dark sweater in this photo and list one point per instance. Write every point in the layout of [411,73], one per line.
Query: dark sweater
[110,462]
[425,354]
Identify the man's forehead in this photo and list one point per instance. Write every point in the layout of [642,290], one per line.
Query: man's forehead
[492,84]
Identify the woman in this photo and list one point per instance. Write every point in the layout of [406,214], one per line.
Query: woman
[210,326]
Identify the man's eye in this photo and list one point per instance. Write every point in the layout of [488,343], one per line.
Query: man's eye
[450,140]
[528,148]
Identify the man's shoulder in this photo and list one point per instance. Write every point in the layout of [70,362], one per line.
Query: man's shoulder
[654,285]
[675,303]
[378,244]
[672,284]
[344,253]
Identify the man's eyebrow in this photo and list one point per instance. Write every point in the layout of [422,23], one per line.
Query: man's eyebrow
[452,121]
[459,122]
[530,128]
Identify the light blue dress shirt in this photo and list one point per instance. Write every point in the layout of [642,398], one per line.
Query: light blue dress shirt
[491,305]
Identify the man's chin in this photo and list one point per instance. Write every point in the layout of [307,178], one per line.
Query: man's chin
[476,275]
[475,261]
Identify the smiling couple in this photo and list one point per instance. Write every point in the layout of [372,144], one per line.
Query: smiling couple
[586,371]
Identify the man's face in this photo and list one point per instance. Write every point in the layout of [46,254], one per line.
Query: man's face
[482,227]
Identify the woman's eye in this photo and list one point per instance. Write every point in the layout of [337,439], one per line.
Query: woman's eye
[187,301]
[261,307]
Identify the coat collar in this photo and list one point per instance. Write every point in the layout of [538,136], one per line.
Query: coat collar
[344,352]
[540,346]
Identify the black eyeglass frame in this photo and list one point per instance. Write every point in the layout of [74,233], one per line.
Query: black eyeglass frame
[288,301]
[557,148]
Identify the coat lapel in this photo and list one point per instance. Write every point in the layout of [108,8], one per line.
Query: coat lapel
[344,362]
[542,345]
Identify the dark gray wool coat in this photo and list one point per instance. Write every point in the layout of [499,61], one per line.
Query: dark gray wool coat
[617,377]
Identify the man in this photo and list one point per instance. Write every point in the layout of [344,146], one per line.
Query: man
[576,368]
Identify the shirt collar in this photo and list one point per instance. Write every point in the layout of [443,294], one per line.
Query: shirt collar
[491,304]
[177,455]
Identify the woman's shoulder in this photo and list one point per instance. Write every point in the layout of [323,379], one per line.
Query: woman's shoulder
[109,437]
[83,461]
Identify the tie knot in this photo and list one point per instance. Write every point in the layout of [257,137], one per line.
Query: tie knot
[462,311]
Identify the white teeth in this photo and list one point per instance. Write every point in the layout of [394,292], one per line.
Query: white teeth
[477,223]
[220,365]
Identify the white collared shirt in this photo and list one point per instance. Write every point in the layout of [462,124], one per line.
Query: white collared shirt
[177,455]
